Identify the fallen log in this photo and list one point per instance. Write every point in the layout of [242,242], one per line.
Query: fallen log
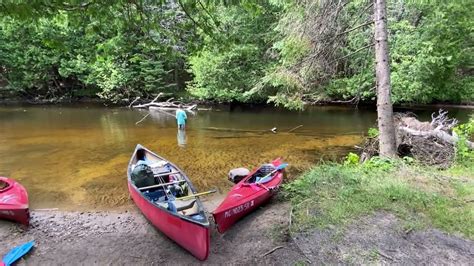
[156,108]
[437,133]
[162,111]
[431,143]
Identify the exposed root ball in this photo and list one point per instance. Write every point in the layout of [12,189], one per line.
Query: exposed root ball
[431,143]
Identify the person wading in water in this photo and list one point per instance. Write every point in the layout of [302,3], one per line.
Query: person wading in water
[181,117]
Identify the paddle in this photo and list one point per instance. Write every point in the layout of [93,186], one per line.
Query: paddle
[17,252]
[197,194]
[280,167]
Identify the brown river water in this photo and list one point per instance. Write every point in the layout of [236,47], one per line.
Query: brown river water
[75,157]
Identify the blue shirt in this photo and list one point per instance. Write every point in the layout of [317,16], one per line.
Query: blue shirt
[181,117]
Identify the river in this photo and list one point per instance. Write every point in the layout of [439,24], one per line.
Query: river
[75,157]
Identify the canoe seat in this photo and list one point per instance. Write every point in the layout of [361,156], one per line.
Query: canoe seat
[157,195]
[264,170]
[184,205]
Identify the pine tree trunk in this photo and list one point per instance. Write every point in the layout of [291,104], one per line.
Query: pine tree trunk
[382,70]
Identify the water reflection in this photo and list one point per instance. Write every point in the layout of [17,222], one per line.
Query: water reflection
[181,137]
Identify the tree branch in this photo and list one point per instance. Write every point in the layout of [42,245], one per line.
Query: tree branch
[355,28]
[356,51]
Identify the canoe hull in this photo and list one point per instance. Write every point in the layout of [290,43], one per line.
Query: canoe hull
[226,217]
[187,234]
[14,202]
[245,198]
[21,216]
[192,235]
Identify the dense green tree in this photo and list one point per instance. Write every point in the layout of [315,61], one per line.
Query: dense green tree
[233,59]
[116,52]
[286,52]
[430,47]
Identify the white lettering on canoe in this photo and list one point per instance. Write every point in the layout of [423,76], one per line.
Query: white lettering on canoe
[238,209]
[7,213]
[8,198]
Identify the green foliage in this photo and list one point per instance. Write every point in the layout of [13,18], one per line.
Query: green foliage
[335,194]
[373,132]
[429,43]
[224,75]
[351,159]
[106,50]
[464,154]
[281,52]
[230,64]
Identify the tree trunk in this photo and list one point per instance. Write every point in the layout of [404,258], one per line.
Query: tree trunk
[382,70]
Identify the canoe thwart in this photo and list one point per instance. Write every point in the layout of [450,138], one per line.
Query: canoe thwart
[161,185]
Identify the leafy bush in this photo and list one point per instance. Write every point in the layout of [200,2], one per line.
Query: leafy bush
[464,154]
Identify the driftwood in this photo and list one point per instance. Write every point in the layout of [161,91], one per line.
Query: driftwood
[188,108]
[163,112]
[271,251]
[148,104]
[136,99]
[168,105]
[432,143]
[138,122]
[273,130]
[295,128]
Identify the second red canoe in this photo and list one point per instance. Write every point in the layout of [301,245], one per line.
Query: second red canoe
[248,194]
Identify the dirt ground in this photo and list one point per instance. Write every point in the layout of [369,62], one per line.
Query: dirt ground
[125,237]
[381,238]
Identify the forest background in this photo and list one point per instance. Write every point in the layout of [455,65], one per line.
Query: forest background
[282,52]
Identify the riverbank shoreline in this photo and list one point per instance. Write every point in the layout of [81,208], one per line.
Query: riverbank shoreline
[207,104]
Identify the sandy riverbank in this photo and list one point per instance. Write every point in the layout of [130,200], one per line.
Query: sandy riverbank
[126,238]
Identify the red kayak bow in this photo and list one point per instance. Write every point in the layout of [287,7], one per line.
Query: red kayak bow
[13,201]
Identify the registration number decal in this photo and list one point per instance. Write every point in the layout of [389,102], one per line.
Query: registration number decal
[8,198]
[238,209]
[7,213]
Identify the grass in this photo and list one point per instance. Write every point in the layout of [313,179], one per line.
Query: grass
[334,194]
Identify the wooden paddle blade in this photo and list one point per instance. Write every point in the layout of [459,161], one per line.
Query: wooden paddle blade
[198,194]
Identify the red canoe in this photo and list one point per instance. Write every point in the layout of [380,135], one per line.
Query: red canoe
[247,195]
[13,201]
[156,186]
